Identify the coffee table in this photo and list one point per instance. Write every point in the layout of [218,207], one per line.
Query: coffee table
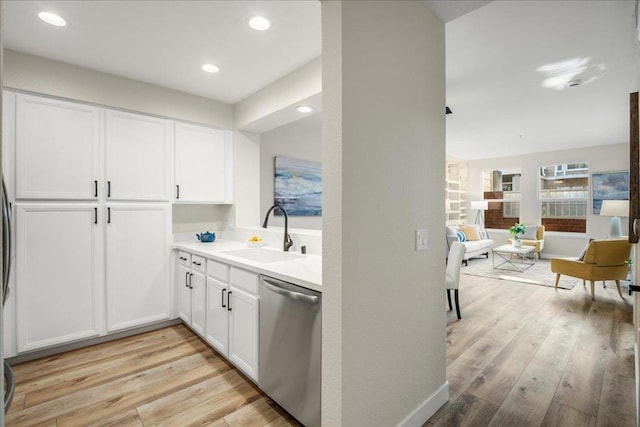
[512,258]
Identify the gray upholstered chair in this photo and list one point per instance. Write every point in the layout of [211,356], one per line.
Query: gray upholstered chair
[454,262]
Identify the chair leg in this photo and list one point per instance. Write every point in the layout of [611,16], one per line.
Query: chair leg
[593,290]
[449,298]
[557,279]
[619,291]
[455,293]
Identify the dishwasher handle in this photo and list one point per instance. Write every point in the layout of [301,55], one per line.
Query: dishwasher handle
[272,285]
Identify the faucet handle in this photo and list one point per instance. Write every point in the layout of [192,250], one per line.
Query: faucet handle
[287,242]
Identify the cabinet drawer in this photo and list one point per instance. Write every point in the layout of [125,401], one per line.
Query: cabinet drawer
[198,264]
[184,258]
[218,270]
[244,279]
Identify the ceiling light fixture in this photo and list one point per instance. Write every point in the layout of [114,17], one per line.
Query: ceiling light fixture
[259,23]
[52,18]
[210,68]
[304,109]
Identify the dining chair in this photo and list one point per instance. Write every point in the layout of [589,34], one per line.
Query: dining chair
[454,262]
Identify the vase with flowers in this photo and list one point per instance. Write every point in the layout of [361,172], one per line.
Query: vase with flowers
[516,230]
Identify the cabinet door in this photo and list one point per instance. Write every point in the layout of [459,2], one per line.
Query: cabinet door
[184,293]
[57,149]
[137,264]
[200,164]
[138,157]
[217,315]
[243,332]
[198,302]
[58,274]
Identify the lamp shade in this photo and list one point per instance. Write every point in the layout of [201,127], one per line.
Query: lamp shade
[481,205]
[615,208]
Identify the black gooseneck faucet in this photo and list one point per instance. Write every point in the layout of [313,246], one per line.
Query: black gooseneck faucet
[287,239]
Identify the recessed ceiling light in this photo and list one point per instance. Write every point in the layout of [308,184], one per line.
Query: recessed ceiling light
[52,18]
[210,68]
[259,23]
[304,109]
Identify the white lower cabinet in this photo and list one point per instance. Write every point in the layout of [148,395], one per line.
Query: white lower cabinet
[190,281]
[59,274]
[138,261]
[232,315]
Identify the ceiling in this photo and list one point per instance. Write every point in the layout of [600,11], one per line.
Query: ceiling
[166,42]
[493,52]
[500,106]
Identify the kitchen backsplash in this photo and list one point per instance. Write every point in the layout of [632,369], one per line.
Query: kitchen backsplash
[272,236]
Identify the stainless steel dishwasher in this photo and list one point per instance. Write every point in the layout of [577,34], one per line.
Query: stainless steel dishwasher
[290,347]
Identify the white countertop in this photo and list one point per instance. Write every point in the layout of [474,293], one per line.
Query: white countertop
[305,270]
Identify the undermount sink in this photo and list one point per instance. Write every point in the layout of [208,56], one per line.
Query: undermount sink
[262,255]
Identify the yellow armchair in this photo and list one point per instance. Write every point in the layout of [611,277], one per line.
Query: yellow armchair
[538,243]
[603,260]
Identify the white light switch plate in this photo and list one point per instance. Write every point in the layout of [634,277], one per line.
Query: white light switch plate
[421,240]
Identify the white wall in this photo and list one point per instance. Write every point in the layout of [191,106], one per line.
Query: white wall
[246,178]
[383,138]
[44,76]
[301,140]
[283,94]
[605,158]
[36,74]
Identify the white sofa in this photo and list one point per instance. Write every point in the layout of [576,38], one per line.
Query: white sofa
[473,248]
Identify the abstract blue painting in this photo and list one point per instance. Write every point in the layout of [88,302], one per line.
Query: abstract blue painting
[298,187]
[609,186]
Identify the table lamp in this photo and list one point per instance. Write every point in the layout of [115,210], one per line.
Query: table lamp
[615,209]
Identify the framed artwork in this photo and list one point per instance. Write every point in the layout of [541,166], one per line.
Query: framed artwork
[609,186]
[298,187]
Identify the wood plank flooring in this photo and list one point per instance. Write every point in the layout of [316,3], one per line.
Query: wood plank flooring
[167,377]
[522,355]
[526,355]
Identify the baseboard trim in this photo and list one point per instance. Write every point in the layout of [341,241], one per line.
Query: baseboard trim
[426,409]
[37,354]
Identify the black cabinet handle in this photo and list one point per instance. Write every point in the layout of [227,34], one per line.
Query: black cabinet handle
[190,278]
[95,215]
[229,301]
[223,291]
[186,280]
[177,192]
[95,183]
[183,258]
[108,215]
[197,263]
[108,188]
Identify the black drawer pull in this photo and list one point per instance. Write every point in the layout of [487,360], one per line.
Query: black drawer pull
[197,263]
[223,291]
[183,258]
[229,300]
[95,183]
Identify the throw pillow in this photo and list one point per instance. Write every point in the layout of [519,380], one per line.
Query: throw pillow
[461,236]
[531,232]
[471,231]
[451,231]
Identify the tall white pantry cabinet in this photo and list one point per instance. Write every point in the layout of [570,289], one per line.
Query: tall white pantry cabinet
[93,193]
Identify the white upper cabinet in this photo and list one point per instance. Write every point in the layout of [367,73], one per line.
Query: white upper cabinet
[138,157]
[203,159]
[57,149]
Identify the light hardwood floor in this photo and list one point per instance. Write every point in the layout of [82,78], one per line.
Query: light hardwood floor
[522,355]
[527,355]
[167,377]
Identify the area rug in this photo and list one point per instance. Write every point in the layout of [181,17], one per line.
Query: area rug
[538,274]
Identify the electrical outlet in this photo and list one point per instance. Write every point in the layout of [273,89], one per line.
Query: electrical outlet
[421,240]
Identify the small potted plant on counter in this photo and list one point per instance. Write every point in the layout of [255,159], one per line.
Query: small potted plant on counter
[516,230]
